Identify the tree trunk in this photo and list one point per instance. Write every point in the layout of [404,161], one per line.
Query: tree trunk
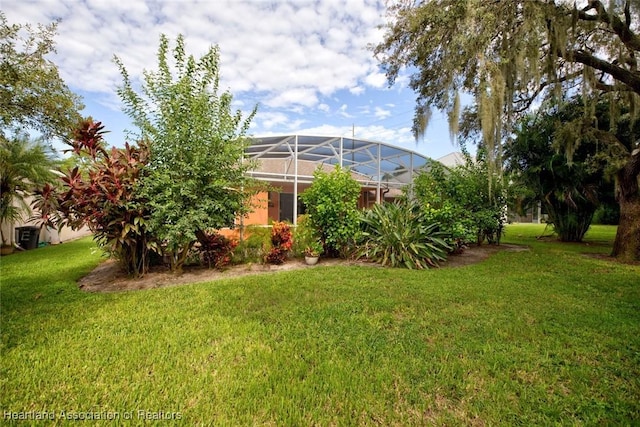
[627,244]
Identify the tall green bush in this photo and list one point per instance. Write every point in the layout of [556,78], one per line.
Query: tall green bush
[467,202]
[332,206]
[195,178]
[570,188]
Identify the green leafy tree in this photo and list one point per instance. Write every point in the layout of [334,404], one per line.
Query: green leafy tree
[332,206]
[25,165]
[195,179]
[33,97]
[572,190]
[32,94]
[508,55]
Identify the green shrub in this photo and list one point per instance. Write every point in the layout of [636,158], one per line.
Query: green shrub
[608,214]
[467,202]
[398,235]
[195,178]
[254,247]
[332,205]
[453,222]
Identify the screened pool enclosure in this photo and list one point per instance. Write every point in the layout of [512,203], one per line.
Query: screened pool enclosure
[289,161]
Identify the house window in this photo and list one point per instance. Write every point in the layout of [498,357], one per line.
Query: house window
[281,206]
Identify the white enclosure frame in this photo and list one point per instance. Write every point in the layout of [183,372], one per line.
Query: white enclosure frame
[373,164]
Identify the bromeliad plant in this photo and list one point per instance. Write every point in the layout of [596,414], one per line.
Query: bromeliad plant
[398,235]
[306,239]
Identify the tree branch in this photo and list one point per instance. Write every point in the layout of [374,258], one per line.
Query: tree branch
[603,87]
[609,138]
[529,100]
[629,78]
[627,13]
[622,29]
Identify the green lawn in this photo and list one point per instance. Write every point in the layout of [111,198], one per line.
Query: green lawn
[545,336]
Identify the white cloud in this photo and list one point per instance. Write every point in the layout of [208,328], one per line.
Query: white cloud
[295,125]
[327,130]
[376,79]
[295,96]
[278,122]
[343,111]
[303,61]
[364,109]
[402,81]
[269,120]
[282,50]
[401,136]
[381,113]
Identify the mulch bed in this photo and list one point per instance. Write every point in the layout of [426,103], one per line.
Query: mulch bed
[108,277]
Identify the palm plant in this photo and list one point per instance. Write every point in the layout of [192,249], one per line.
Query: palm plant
[568,187]
[24,166]
[398,235]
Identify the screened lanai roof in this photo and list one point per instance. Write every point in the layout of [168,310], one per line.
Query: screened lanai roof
[373,162]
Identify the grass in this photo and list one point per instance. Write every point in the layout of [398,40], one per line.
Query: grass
[544,336]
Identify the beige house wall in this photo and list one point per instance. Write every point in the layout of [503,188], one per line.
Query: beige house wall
[48,235]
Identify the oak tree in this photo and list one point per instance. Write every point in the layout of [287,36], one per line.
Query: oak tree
[510,55]
[33,96]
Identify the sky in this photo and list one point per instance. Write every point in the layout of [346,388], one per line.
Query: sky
[304,63]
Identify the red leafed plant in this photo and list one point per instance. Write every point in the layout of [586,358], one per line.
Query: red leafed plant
[216,250]
[281,243]
[100,193]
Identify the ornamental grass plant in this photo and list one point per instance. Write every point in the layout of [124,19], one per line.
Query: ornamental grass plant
[399,235]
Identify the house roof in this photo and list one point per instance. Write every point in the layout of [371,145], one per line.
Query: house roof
[284,169]
[452,159]
[369,161]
